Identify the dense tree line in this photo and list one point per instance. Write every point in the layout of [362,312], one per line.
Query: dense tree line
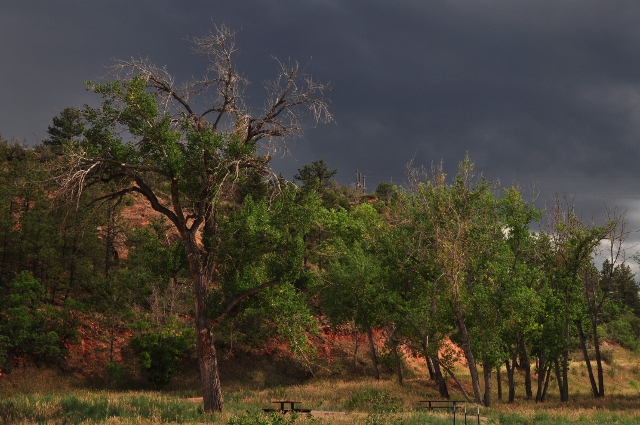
[436,260]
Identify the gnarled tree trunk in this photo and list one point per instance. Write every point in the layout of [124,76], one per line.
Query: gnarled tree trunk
[205,344]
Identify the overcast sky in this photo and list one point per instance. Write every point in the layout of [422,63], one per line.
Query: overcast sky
[543,93]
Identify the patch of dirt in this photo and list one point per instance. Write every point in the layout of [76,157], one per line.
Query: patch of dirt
[96,346]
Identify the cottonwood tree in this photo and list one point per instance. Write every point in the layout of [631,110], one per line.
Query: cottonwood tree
[183,147]
[519,302]
[418,297]
[571,249]
[353,288]
[460,219]
[597,290]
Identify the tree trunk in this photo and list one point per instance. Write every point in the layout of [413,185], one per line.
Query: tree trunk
[596,346]
[587,361]
[526,364]
[511,369]
[499,381]
[466,348]
[396,356]
[546,383]
[207,357]
[112,337]
[374,358]
[355,353]
[540,380]
[442,384]
[208,362]
[486,372]
[559,379]
[541,368]
[437,373]
[453,376]
[564,391]
[432,372]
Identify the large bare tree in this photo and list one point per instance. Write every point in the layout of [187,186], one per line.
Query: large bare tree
[182,147]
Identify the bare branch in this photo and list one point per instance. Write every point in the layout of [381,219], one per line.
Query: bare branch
[230,306]
[72,180]
[291,96]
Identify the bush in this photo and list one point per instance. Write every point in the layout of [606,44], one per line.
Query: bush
[607,355]
[114,373]
[161,352]
[373,400]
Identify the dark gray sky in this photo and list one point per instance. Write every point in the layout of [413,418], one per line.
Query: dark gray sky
[545,93]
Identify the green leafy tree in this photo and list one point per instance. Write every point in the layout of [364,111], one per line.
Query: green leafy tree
[417,297]
[263,279]
[354,289]
[183,149]
[58,246]
[597,289]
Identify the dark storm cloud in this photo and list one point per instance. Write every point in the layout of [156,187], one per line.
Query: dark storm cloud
[543,92]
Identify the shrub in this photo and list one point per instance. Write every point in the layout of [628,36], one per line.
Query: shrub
[161,352]
[114,373]
[607,355]
[373,400]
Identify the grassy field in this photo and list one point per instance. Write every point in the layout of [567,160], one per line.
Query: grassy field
[32,396]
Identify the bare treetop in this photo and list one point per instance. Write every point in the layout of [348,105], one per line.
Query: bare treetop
[290,97]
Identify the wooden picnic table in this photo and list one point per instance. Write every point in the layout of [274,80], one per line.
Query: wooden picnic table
[442,404]
[453,406]
[292,407]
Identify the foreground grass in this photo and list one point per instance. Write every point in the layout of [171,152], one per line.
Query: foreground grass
[98,407]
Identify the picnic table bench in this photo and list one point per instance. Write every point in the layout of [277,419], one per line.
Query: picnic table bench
[292,407]
[452,405]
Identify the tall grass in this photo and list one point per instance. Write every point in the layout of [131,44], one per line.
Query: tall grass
[97,407]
